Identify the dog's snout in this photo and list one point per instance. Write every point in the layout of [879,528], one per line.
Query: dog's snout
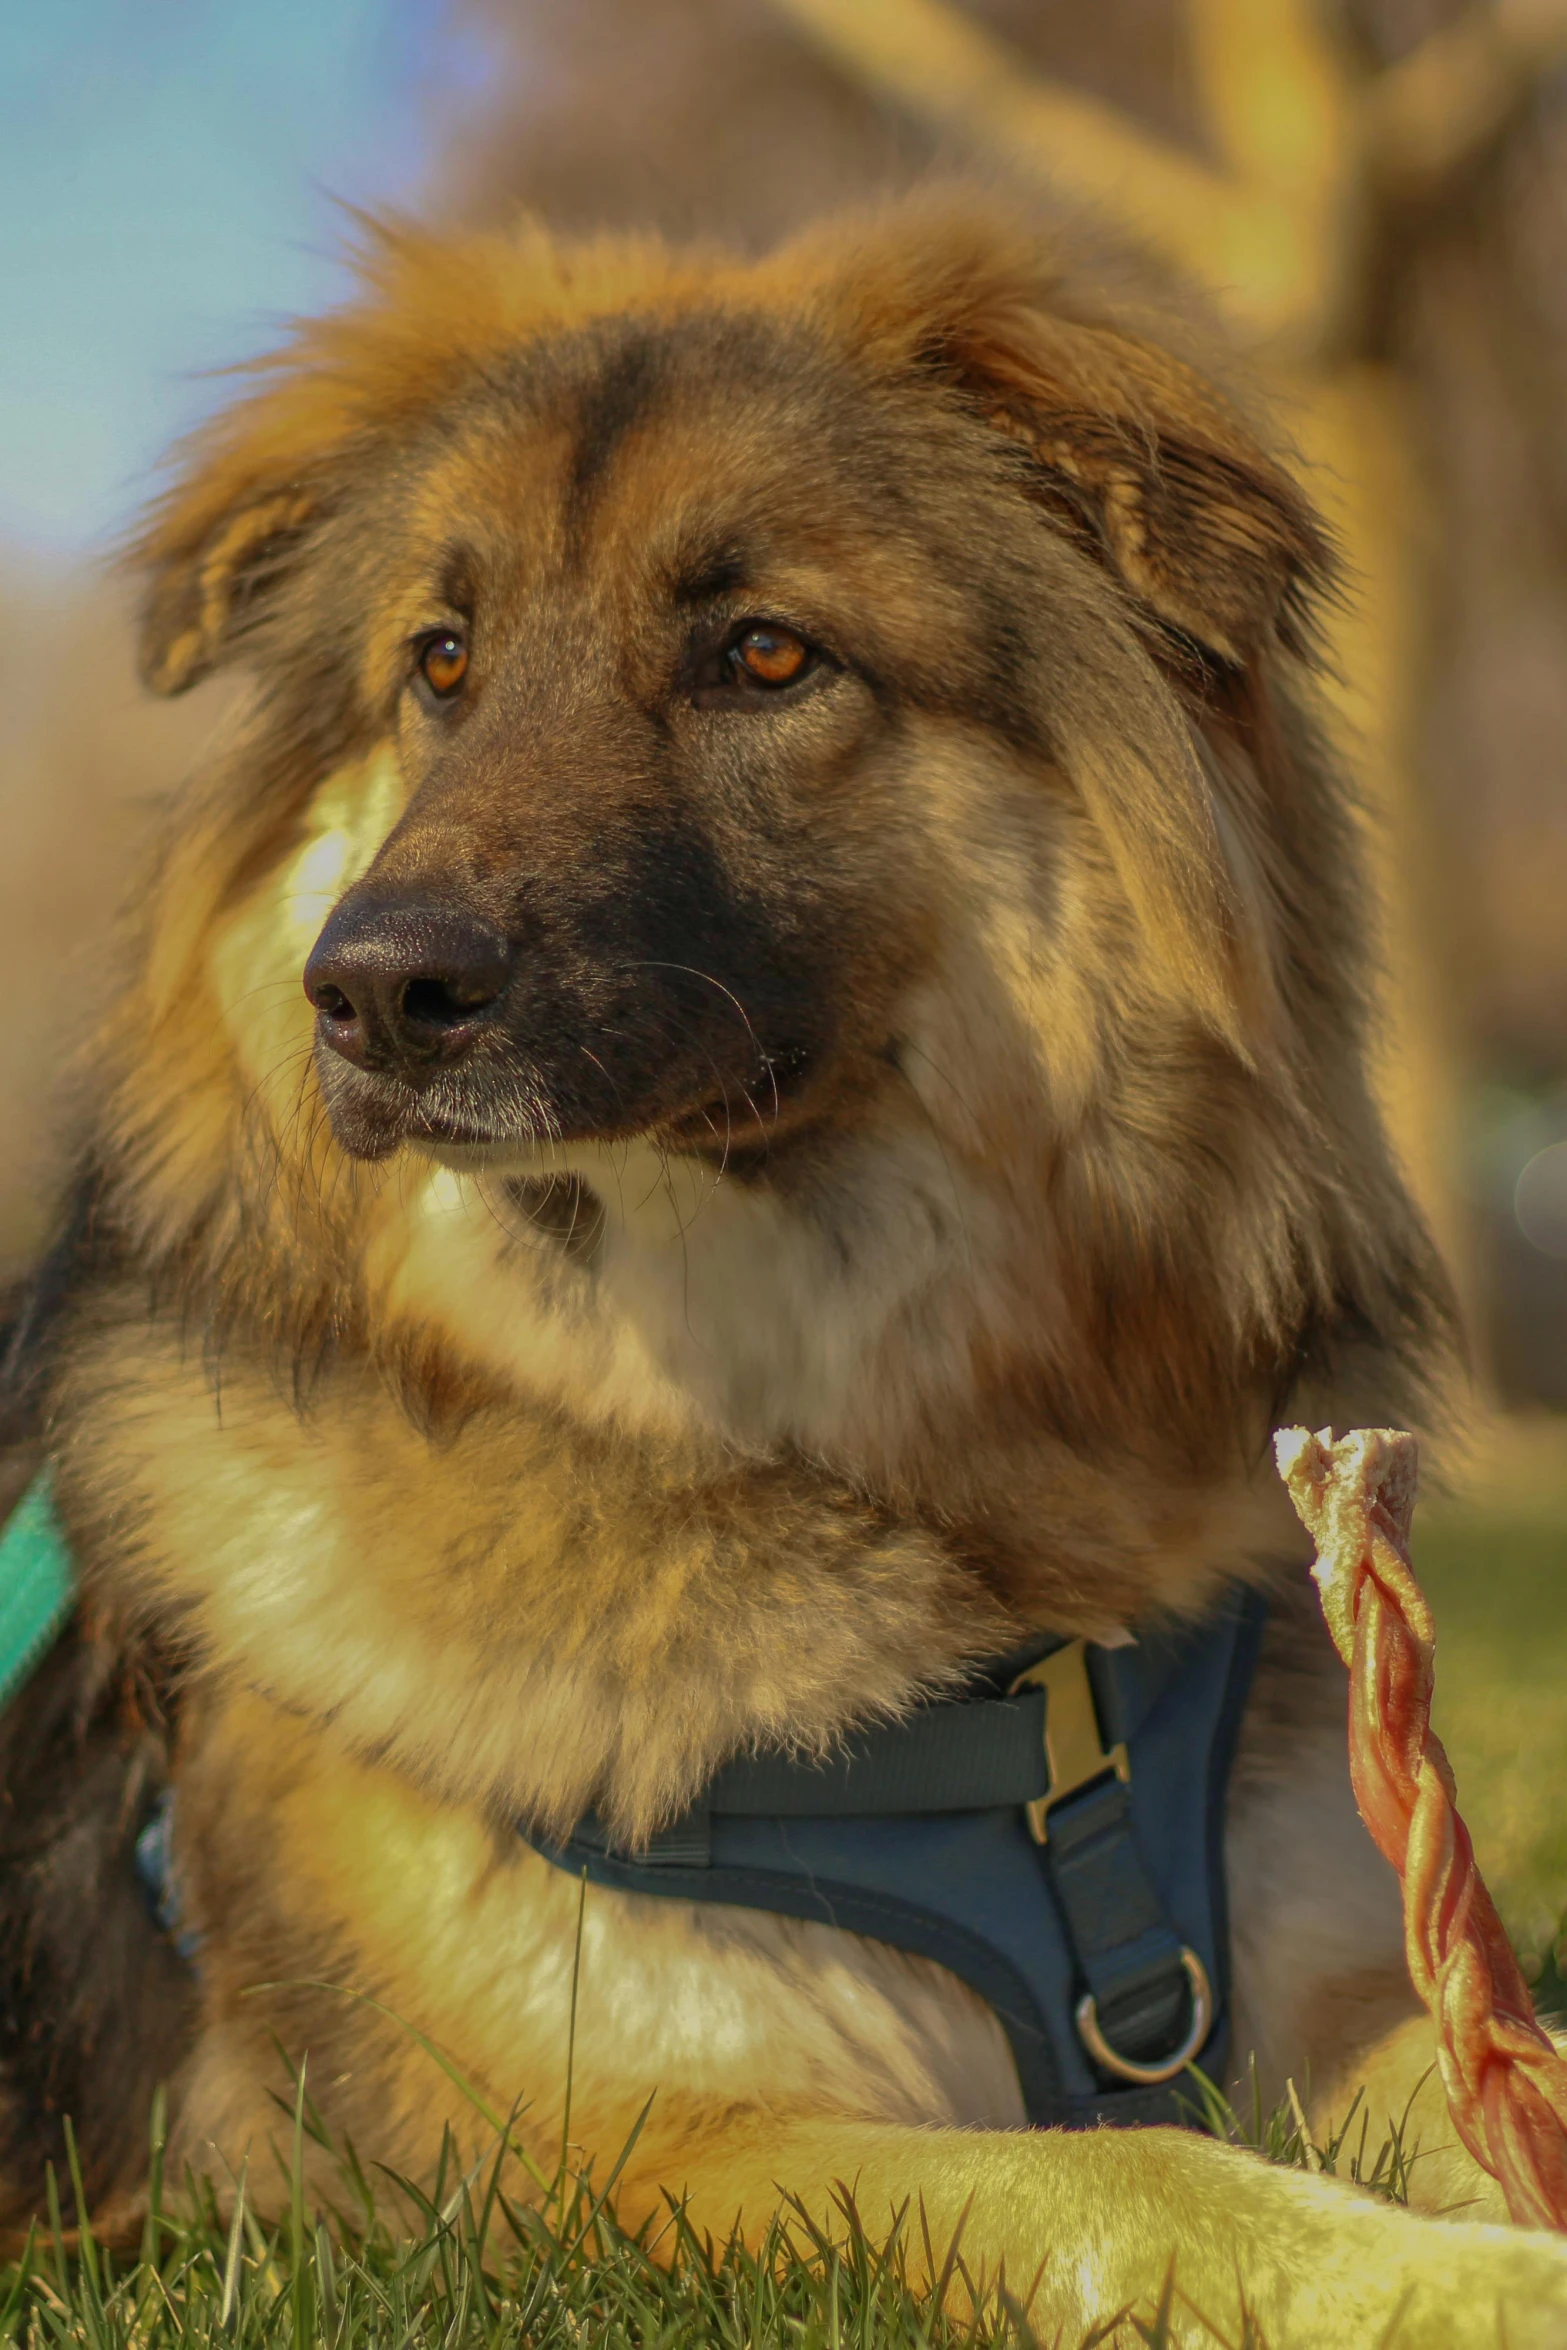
[400,986]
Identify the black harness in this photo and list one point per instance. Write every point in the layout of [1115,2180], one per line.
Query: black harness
[1054,1836]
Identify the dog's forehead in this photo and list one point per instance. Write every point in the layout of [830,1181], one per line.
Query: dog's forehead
[615,378]
[656,431]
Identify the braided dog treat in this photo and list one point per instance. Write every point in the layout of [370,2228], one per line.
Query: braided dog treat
[1506,2085]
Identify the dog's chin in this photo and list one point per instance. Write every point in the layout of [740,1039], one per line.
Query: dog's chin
[374,1114]
[501,1156]
[369,1129]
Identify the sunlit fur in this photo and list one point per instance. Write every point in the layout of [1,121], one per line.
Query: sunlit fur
[454,1515]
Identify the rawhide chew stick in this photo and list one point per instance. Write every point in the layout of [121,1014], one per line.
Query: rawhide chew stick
[1506,2085]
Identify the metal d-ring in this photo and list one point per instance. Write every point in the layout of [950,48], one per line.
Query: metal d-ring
[1148,2076]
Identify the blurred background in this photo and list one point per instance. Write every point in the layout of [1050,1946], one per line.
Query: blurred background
[1375,191]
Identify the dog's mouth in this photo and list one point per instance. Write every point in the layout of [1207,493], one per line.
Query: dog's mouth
[741,1120]
[450,1120]
[555,1205]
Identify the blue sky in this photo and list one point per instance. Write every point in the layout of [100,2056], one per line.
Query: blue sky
[168,170]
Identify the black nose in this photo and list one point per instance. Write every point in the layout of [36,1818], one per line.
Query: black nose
[402,985]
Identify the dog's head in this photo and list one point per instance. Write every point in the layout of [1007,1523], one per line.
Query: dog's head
[679,618]
[841,696]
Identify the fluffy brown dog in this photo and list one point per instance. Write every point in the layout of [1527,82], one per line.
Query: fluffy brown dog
[828,1125]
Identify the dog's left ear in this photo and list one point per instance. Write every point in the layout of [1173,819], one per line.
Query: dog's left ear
[1206,533]
[1143,459]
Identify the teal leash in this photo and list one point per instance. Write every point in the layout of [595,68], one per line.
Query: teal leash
[37,1586]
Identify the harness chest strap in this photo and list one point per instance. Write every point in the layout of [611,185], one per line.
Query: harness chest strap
[1055,1838]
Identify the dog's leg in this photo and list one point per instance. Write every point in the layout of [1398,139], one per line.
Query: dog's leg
[1080,2225]
[1101,2218]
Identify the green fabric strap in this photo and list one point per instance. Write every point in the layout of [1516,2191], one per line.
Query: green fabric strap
[36,1583]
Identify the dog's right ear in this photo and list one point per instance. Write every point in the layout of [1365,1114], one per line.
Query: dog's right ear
[256,486]
[215,551]
[262,483]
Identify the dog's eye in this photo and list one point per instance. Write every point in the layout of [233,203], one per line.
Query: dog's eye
[769,655]
[443,663]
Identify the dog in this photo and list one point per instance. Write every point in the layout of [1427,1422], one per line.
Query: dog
[741,1088]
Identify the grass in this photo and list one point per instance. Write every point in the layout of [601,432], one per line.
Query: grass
[471,2268]
[1284,2135]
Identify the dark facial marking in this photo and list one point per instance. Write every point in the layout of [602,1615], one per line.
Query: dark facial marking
[603,916]
[616,397]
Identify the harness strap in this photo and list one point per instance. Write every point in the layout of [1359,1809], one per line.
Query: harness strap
[1120,1938]
[977,1755]
[1125,1947]
[980,1833]
[957,1757]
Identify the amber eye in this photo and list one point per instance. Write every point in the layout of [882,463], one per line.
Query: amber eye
[772,656]
[443,663]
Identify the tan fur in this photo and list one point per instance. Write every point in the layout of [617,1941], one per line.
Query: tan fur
[456,1516]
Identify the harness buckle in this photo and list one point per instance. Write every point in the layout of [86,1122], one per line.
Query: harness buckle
[1075,1751]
